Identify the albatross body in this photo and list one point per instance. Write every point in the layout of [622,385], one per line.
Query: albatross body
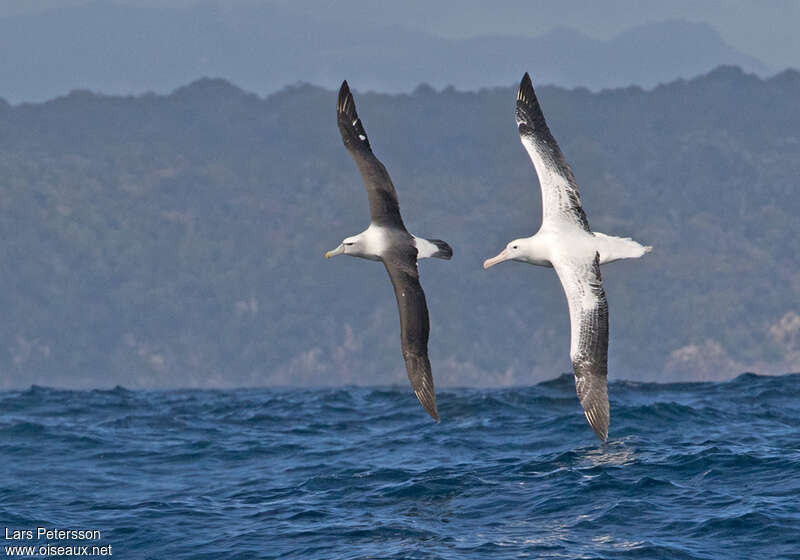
[566,243]
[387,240]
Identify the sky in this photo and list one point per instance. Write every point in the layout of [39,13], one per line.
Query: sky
[766,29]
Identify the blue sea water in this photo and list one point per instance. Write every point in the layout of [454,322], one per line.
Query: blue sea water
[701,470]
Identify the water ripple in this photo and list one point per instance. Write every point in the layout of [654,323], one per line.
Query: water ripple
[704,470]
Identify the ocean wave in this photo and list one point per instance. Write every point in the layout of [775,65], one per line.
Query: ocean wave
[691,470]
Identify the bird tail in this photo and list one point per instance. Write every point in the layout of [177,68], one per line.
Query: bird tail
[436,248]
[443,250]
[615,248]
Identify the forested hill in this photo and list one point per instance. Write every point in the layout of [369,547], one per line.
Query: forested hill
[178,240]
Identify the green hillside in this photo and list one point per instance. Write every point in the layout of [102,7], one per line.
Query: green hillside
[178,240]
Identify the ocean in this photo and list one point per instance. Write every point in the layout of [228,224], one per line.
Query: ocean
[691,470]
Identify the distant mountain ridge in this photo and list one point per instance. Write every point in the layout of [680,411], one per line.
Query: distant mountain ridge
[120,49]
[178,240]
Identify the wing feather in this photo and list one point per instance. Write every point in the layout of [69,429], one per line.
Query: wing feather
[401,264]
[588,313]
[384,208]
[561,200]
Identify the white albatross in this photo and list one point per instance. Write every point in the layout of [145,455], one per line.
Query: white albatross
[566,243]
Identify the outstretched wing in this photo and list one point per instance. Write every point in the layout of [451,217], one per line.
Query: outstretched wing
[560,198]
[401,264]
[588,314]
[383,206]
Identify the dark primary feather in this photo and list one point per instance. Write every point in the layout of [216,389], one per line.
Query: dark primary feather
[591,363]
[384,208]
[532,126]
[401,264]
[444,250]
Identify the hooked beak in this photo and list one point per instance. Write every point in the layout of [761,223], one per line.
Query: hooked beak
[503,256]
[338,251]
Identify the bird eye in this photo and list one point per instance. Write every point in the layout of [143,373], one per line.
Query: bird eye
[349,243]
[514,247]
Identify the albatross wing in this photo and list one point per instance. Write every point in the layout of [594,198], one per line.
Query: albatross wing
[560,198]
[401,264]
[383,206]
[588,313]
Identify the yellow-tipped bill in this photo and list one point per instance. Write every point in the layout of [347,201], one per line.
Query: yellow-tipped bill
[338,251]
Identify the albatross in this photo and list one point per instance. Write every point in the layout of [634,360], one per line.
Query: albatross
[387,240]
[566,243]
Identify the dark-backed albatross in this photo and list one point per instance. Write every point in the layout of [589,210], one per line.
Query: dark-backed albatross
[387,240]
[566,243]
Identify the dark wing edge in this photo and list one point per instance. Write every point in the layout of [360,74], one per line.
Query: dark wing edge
[591,362]
[589,353]
[414,324]
[383,204]
[443,249]
[534,132]
[593,393]
[353,134]
[530,118]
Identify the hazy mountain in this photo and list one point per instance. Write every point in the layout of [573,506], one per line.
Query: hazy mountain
[177,240]
[117,48]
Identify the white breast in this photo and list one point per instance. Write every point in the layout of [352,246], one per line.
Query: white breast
[376,241]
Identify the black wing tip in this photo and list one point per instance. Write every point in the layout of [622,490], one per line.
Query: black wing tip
[419,374]
[602,436]
[428,401]
[526,93]
[344,90]
[592,392]
[350,126]
[345,103]
[444,251]
[598,417]
[596,408]
[529,113]
[601,432]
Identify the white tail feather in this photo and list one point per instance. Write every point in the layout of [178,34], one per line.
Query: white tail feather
[437,248]
[615,248]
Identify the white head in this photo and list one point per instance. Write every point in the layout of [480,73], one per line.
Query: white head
[349,246]
[514,251]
